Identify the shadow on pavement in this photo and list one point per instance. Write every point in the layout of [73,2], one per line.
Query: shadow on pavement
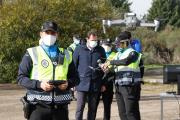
[149,98]
[145,98]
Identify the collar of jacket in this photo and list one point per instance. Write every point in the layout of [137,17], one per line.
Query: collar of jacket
[50,51]
[125,49]
[75,44]
[108,53]
[86,48]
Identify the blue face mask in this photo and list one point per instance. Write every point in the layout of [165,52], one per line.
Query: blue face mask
[77,42]
[119,49]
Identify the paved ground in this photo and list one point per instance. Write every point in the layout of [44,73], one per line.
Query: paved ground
[150,104]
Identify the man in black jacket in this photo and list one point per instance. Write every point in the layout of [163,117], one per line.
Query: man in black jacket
[85,59]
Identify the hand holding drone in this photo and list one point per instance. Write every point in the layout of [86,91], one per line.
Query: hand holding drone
[100,64]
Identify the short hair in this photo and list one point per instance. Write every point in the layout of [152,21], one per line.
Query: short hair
[94,33]
[127,33]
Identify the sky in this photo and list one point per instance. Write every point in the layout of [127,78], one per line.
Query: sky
[140,7]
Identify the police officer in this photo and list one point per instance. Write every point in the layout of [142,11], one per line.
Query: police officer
[40,65]
[107,95]
[135,44]
[76,39]
[128,78]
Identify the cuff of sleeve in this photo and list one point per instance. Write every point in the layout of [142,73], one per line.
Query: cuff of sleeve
[111,62]
[104,83]
[69,83]
[38,84]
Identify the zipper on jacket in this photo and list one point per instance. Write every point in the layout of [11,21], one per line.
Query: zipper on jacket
[54,67]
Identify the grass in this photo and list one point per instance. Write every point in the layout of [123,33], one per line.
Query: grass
[158,65]
[159,87]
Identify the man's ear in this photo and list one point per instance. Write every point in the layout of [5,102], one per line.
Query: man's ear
[57,35]
[125,43]
[87,38]
[41,34]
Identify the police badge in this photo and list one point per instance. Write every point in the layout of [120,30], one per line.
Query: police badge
[45,63]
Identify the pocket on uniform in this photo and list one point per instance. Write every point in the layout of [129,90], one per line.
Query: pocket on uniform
[131,91]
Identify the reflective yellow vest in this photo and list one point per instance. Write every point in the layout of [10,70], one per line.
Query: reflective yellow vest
[111,57]
[43,70]
[128,75]
[72,46]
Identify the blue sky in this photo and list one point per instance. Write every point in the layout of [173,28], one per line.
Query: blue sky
[140,7]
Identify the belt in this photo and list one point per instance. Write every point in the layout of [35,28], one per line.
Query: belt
[50,106]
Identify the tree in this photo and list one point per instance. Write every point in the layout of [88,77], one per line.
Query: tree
[21,22]
[123,4]
[0,2]
[169,9]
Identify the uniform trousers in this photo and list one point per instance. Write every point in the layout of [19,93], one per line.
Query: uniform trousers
[59,112]
[128,102]
[81,100]
[107,97]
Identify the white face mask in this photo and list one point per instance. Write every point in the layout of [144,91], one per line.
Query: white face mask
[49,40]
[107,48]
[77,42]
[92,44]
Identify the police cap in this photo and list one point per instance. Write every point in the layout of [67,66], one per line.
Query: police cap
[49,25]
[101,42]
[120,39]
[107,41]
[76,36]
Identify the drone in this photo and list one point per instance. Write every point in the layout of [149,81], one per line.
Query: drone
[100,66]
[131,22]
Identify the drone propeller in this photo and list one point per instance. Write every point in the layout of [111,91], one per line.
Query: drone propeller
[159,19]
[100,19]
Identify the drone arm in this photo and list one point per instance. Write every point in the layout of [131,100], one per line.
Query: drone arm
[104,29]
[155,24]
[116,23]
[104,23]
[148,25]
